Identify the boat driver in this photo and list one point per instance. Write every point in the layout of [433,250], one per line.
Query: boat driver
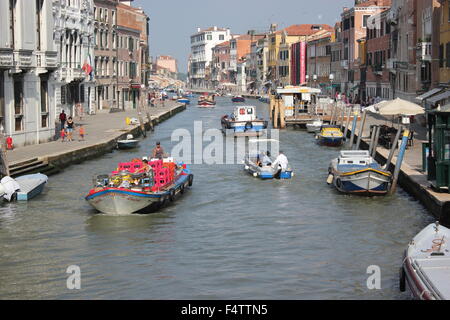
[266,161]
[158,151]
[281,162]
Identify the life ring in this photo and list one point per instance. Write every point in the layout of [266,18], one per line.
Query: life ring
[402,279]
[191,179]
[172,195]
[248,125]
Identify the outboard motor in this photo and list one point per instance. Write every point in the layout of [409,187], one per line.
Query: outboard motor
[9,188]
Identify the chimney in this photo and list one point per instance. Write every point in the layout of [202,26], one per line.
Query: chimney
[215,28]
[198,29]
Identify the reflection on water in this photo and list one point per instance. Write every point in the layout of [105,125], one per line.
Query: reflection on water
[231,236]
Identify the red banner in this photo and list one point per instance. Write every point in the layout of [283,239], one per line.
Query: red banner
[302,62]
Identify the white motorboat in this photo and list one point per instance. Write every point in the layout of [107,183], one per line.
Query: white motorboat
[356,172]
[23,188]
[129,143]
[243,122]
[426,264]
[315,126]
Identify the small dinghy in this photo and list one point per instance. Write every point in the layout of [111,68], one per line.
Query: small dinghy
[315,126]
[129,143]
[23,188]
[184,100]
[259,164]
[426,264]
[356,172]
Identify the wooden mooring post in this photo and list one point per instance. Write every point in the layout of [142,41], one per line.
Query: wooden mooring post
[361,130]
[401,154]
[375,141]
[348,123]
[394,146]
[354,123]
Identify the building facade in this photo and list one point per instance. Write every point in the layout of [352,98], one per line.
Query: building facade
[200,59]
[319,60]
[105,61]
[28,60]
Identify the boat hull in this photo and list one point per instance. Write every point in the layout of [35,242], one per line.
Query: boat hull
[368,182]
[31,188]
[312,128]
[185,101]
[265,172]
[237,100]
[124,145]
[330,141]
[244,128]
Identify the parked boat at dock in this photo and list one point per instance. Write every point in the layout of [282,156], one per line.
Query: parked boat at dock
[243,122]
[184,100]
[356,172]
[330,136]
[426,264]
[128,143]
[315,126]
[131,189]
[237,99]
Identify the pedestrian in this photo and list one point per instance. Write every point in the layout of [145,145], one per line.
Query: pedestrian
[80,110]
[62,118]
[62,134]
[70,126]
[81,132]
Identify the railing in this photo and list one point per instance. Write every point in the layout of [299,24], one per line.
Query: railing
[6,58]
[46,60]
[424,50]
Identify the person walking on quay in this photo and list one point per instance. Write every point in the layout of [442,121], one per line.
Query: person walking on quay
[81,132]
[62,134]
[70,126]
[62,118]
[80,111]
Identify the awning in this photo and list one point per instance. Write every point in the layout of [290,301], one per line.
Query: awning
[428,94]
[439,97]
[354,88]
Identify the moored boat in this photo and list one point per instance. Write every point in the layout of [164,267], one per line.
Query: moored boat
[315,126]
[330,136]
[184,100]
[206,101]
[128,143]
[129,189]
[426,264]
[237,99]
[243,122]
[356,172]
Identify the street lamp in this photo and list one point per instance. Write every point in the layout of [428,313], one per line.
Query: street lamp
[315,80]
[307,79]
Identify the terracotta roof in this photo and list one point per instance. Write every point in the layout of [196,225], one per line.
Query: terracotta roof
[369,3]
[223,44]
[304,29]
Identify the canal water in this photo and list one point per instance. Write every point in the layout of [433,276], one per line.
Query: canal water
[231,236]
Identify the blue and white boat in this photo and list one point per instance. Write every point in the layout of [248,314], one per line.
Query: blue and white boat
[23,188]
[356,172]
[184,100]
[238,99]
[251,165]
[243,122]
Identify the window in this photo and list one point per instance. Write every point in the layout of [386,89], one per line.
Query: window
[365,18]
[12,6]
[44,101]
[2,100]
[221,37]
[38,24]
[447,52]
[18,103]
[209,37]
[441,56]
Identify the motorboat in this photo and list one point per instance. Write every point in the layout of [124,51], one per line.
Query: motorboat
[238,99]
[184,100]
[135,188]
[243,122]
[356,172]
[206,102]
[259,164]
[315,126]
[426,264]
[128,143]
[330,135]
[22,188]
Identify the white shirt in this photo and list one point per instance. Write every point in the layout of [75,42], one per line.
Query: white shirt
[282,161]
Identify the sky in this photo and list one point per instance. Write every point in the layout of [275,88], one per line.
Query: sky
[172,22]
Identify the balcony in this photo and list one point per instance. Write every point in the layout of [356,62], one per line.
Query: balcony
[72,71]
[424,51]
[23,59]
[47,60]
[6,58]
[390,64]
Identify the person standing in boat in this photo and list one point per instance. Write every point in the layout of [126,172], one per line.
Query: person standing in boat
[158,151]
[266,161]
[281,162]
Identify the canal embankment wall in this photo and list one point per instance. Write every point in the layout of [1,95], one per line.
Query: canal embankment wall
[103,132]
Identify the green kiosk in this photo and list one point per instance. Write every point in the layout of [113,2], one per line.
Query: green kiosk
[437,151]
